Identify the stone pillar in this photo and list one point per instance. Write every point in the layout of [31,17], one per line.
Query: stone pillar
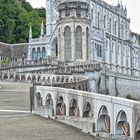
[80,105]
[59,44]
[139,62]
[62,47]
[54,106]
[67,104]
[73,43]
[84,47]
[110,51]
[48,17]
[116,55]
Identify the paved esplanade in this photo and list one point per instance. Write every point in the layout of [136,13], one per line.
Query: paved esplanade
[16,123]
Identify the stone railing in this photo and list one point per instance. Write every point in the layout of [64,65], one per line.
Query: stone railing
[91,111]
[66,81]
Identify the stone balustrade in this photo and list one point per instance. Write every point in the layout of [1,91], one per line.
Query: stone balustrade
[107,116]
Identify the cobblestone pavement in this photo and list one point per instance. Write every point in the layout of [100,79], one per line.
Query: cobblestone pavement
[21,125]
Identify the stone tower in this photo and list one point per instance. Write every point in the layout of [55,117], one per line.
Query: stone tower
[48,17]
[73,27]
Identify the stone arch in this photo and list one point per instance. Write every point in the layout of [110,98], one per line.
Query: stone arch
[23,77]
[49,101]
[17,77]
[67,43]
[48,80]
[44,78]
[38,99]
[29,78]
[62,79]
[54,44]
[74,109]
[60,106]
[33,78]
[79,49]
[53,80]
[138,129]
[49,105]
[103,122]
[38,79]
[122,126]
[11,77]
[87,110]
[5,77]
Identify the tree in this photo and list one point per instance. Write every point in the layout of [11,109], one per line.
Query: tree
[16,16]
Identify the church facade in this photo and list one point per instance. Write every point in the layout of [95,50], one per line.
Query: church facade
[88,30]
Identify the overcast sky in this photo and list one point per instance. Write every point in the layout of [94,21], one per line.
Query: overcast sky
[133,8]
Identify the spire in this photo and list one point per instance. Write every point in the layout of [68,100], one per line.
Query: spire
[42,29]
[30,33]
[125,9]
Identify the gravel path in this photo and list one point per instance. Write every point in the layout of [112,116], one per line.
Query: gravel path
[16,123]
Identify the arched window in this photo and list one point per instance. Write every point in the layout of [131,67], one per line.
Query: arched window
[104,21]
[79,42]
[49,101]
[122,29]
[87,41]
[110,25]
[92,15]
[60,106]
[73,110]
[99,50]
[39,54]
[33,53]
[67,42]
[122,125]
[98,20]
[115,28]
[43,52]
[87,110]
[38,99]
[103,120]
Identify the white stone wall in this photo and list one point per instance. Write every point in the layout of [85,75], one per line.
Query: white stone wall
[124,85]
[113,105]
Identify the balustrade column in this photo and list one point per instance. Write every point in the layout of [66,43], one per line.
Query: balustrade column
[80,105]
[67,105]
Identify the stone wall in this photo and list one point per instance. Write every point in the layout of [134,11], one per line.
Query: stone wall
[120,85]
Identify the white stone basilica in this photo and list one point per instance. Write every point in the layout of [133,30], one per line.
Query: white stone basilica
[88,30]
